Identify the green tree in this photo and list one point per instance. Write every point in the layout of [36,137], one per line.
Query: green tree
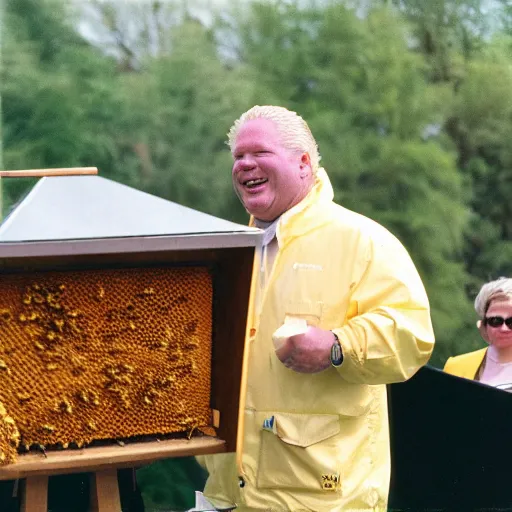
[175,116]
[446,32]
[462,44]
[481,127]
[171,483]
[58,93]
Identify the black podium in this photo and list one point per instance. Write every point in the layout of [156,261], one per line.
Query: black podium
[451,444]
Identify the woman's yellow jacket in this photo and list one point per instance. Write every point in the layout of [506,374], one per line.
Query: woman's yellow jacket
[466,365]
[320,441]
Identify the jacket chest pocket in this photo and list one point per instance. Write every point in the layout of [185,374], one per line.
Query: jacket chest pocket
[298,451]
[312,293]
[308,310]
[301,283]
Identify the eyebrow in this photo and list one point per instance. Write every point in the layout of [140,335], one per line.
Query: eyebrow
[251,149]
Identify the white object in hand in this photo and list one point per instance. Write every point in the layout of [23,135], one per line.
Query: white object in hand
[291,327]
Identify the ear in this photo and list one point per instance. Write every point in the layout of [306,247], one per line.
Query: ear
[483,331]
[305,165]
[305,159]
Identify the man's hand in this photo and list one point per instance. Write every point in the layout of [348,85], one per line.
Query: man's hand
[309,352]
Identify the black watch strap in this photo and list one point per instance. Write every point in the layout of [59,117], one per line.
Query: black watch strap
[336,352]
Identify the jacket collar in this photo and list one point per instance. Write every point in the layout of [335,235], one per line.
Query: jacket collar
[307,210]
[304,216]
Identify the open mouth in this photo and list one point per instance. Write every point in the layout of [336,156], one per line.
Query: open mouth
[254,183]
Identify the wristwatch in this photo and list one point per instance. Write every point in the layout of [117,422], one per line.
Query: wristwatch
[336,352]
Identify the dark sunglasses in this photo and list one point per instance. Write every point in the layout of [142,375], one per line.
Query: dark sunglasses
[497,321]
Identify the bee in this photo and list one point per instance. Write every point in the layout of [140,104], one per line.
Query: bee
[39,345]
[100,294]
[42,447]
[59,324]
[83,395]
[65,406]
[192,429]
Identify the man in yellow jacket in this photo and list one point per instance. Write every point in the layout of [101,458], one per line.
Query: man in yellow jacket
[338,311]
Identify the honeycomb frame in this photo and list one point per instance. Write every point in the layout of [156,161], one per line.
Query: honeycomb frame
[100,354]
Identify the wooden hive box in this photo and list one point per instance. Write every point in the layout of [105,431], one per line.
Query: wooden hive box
[122,318]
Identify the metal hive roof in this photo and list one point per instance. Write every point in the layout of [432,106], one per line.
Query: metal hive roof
[92,207]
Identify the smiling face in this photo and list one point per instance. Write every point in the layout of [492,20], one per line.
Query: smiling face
[268,178]
[500,337]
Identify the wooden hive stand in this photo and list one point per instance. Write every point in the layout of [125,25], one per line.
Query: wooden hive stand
[102,462]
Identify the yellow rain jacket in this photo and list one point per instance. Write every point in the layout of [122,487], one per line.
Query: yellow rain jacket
[320,441]
[466,365]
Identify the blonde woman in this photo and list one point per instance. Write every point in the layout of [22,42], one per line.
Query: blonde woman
[491,365]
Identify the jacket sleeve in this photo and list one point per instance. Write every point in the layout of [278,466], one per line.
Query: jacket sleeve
[388,334]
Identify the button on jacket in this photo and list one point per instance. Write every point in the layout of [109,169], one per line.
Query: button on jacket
[320,441]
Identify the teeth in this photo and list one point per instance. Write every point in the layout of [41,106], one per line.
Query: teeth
[250,183]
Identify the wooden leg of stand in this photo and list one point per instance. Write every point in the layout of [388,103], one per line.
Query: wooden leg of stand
[34,496]
[105,492]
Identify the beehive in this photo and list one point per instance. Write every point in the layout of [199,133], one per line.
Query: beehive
[105,354]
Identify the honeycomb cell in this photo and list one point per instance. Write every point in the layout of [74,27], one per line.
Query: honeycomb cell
[105,354]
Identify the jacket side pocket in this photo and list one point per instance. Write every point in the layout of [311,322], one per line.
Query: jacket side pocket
[298,451]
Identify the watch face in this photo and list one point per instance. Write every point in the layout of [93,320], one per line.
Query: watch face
[336,354]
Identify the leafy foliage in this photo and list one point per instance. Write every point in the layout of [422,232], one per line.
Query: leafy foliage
[171,483]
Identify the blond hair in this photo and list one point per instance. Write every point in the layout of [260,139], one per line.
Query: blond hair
[499,289]
[294,131]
